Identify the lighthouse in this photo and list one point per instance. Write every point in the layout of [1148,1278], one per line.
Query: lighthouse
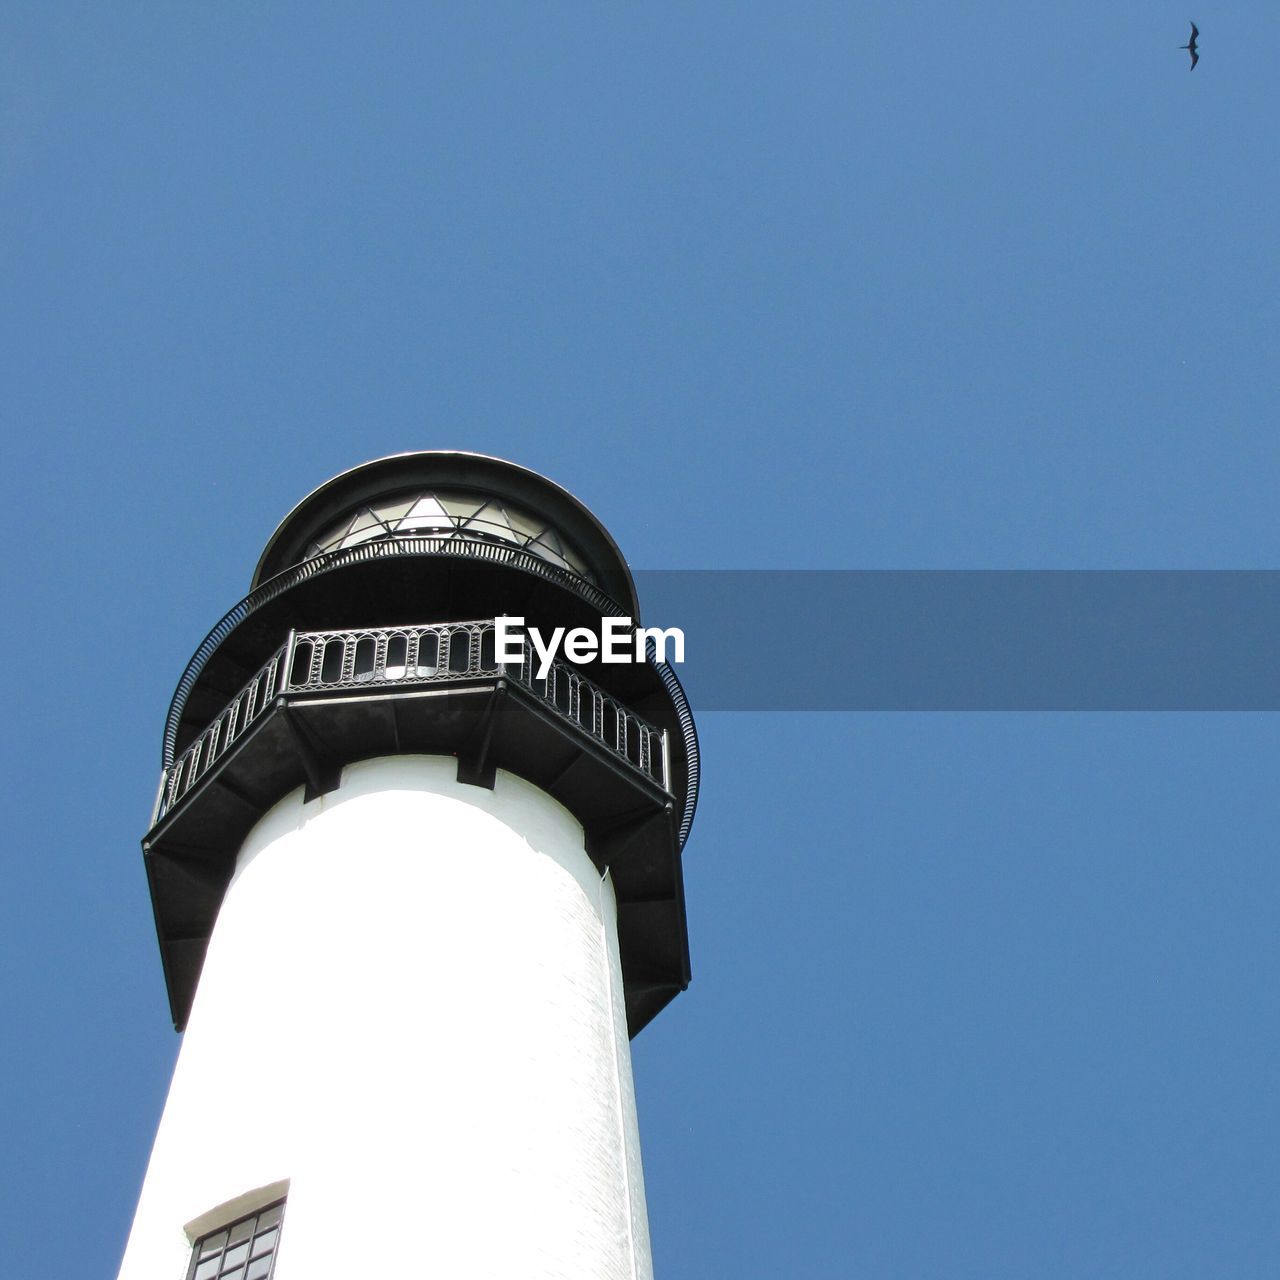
[415,891]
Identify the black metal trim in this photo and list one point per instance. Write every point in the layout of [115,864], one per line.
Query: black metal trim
[464,549]
[402,473]
[666,676]
[688,735]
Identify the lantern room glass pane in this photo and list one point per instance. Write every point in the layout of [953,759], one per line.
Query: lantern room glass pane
[390,512]
[528,527]
[425,514]
[462,506]
[452,514]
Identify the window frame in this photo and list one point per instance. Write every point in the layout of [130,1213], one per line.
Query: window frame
[226,1228]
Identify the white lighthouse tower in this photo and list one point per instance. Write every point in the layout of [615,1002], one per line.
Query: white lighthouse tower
[412,902]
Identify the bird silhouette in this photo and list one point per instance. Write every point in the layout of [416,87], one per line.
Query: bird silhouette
[1191,47]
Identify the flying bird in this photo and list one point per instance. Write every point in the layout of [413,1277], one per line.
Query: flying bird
[1191,47]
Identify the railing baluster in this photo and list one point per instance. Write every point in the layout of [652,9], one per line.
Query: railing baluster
[286,665]
[157,809]
[347,674]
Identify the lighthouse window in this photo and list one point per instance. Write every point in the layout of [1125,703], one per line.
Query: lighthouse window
[454,516]
[245,1250]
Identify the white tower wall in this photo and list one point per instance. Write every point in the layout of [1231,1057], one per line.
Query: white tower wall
[411,1016]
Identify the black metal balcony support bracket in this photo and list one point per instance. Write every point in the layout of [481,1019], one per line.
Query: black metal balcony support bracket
[475,762]
[182,873]
[197,867]
[322,775]
[607,839]
[237,793]
[642,856]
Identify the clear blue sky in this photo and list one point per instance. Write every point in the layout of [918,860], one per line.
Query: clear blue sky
[841,286]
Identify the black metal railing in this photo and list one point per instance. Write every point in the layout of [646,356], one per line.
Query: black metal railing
[378,549]
[392,657]
[227,728]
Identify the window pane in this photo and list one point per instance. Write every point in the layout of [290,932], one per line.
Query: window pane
[527,526]
[426,514]
[236,1256]
[212,1244]
[390,512]
[459,505]
[264,1243]
[365,526]
[258,1269]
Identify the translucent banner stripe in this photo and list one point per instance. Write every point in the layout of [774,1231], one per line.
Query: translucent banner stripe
[979,640]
